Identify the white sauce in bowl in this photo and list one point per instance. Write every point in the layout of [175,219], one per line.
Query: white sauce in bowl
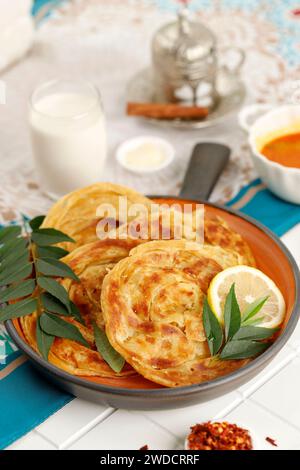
[145,154]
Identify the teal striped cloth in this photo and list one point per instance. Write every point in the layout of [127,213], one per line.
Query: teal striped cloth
[26,399]
[258,202]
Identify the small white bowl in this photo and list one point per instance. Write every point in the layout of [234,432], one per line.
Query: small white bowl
[134,143]
[256,442]
[281,180]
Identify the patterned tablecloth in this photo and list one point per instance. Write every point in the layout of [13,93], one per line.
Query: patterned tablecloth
[107,43]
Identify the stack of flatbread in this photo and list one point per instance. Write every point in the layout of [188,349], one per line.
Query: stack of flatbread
[146,294]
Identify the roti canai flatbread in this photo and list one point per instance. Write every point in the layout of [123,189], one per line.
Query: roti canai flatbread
[91,263]
[217,232]
[78,213]
[210,230]
[225,258]
[152,305]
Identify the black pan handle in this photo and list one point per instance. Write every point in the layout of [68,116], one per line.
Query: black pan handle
[206,164]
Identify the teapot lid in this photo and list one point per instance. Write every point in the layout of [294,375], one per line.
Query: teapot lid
[186,37]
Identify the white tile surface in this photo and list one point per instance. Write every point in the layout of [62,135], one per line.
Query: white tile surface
[284,357]
[125,430]
[263,424]
[291,240]
[32,441]
[179,421]
[294,340]
[275,398]
[281,395]
[72,421]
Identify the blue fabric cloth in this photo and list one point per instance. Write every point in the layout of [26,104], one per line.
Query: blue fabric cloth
[278,215]
[26,399]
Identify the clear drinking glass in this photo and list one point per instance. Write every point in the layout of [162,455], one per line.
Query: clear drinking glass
[68,135]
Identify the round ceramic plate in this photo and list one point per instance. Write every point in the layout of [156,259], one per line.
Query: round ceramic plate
[139,393]
[230,88]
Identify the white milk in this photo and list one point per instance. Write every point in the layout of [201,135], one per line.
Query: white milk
[69,141]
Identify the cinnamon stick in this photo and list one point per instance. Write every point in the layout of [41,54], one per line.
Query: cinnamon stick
[166,111]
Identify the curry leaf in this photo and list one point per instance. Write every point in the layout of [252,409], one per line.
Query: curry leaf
[16,245]
[213,329]
[253,308]
[54,305]
[56,326]
[36,222]
[16,291]
[242,339]
[51,252]
[232,314]
[55,289]
[107,352]
[253,321]
[19,309]
[16,276]
[9,233]
[44,341]
[54,267]
[242,349]
[13,263]
[49,236]
[75,312]
[254,333]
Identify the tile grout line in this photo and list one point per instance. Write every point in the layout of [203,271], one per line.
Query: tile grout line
[109,412]
[273,413]
[78,434]
[34,431]
[160,425]
[39,434]
[228,409]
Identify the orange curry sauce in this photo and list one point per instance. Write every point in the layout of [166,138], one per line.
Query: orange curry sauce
[284,150]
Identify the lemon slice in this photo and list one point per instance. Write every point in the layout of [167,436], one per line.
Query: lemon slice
[250,285]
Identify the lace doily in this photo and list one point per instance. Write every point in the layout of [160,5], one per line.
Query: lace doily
[107,43]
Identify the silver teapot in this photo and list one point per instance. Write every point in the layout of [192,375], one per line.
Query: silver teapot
[185,62]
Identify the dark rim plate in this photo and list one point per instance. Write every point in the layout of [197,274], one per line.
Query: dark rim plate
[187,391]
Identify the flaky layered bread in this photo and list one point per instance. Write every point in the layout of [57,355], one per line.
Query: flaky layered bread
[91,263]
[208,229]
[218,233]
[78,213]
[224,257]
[152,304]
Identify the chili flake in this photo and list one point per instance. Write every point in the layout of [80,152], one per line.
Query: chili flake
[219,436]
[145,447]
[271,441]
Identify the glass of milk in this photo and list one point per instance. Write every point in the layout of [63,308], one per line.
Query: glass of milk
[68,135]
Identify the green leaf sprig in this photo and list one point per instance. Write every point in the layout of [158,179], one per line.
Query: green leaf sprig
[241,339]
[109,354]
[29,264]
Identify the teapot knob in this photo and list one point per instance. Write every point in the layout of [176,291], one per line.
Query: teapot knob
[184,21]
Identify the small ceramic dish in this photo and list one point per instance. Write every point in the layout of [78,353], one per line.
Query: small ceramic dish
[256,441]
[281,180]
[135,154]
